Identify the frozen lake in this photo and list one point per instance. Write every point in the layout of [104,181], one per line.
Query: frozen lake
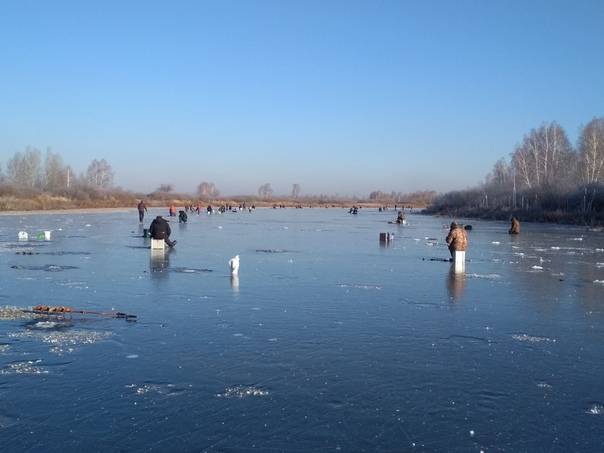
[327,342]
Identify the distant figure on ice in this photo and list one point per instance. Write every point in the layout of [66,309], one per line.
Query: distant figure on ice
[172,210]
[515,228]
[160,229]
[141,211]
[401,218]
[457,239]
[182,217]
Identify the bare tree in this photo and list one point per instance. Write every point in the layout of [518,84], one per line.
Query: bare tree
[501,175]
[166,188]
[295,190]
[70,177]
[24,169]
[55,175]
[99,174]
[207,190]
[591,150]
[545,157]
[377,195]
[265,191]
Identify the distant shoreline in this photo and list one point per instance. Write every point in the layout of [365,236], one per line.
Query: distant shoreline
[134,209]
[65,210]
[534,216]
[180,205]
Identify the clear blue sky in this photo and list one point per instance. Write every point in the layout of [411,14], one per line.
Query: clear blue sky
[338,96]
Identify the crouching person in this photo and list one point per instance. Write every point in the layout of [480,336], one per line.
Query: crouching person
[515,227]
[182,216]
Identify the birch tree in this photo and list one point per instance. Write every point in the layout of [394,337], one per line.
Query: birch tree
[24,169]
[591,151]
[265,191]
[207,190]
[544,158]
[99,174]
[55,173]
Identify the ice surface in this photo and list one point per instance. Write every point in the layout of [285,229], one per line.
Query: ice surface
[325,342]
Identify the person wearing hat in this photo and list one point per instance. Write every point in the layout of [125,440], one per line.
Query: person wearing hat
[160,229]
[457,239]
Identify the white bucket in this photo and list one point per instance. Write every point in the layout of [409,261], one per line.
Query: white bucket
[23,236]
[47,235]
[460,262]
[158,244]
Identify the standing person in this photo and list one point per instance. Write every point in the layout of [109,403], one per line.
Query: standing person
[172,210]
[160,229]
[141,211]
[457,239]
[198,208]
[515,228]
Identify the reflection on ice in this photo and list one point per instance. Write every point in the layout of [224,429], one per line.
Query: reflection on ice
[235,282]
[456,284]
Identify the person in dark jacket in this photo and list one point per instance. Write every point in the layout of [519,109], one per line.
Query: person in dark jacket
[160,229]
[515,228]
[401,218]
[182,217]
[141,211]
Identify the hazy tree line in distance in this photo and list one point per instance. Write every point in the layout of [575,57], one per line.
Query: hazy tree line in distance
[35,180]
[29,172]
[546,178]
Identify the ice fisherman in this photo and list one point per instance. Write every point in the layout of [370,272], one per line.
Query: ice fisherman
[457,239]
[515,228]
[401,218]
[160,229]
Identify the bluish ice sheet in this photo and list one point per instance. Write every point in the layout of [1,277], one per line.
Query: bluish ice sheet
[326,341]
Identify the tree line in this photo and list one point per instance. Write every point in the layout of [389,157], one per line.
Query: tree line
[31,170]
[545,178]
